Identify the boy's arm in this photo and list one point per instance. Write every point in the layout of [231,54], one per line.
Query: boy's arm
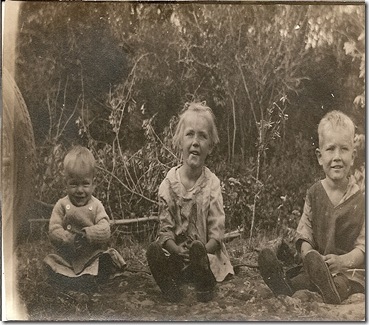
[351,260]
[305,247]
[305,239]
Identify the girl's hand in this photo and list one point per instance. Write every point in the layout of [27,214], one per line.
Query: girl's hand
[335,262]
[183,251]
[212,246]
[180,250]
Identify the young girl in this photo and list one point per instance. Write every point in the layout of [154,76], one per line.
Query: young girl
[189,245]
[79,227]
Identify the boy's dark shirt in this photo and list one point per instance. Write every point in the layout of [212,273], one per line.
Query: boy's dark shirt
[335,228]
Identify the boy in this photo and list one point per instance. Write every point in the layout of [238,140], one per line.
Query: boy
[331,231]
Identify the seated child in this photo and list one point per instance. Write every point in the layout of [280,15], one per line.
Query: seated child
[189,245]
[79,227]
[331,231]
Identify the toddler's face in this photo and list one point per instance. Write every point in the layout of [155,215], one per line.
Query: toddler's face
[196,142]
[336,153]
[79,189]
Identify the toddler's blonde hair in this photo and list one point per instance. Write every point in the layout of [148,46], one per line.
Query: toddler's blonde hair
[336,119]
[196,108]
[79,161]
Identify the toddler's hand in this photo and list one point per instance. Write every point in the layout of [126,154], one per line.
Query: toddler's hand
[79,241]
[335,262]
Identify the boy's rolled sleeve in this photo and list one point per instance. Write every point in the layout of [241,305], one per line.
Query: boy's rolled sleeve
[305,229]
[360,241]
[216,216]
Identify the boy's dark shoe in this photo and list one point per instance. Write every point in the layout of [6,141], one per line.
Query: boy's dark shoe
[321,276]
[272,273]
[160,270]
[203,276]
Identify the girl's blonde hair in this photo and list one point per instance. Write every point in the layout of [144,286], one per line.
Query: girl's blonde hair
[336,119]
[79,161]
[203,110]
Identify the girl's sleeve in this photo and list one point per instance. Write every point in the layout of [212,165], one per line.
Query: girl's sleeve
[99,233]
[57,234]
[167,222]
[216,216]
[305,229]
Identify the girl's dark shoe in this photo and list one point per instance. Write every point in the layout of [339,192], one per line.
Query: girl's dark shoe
[203,276]
[321,276]
[272,273]
[160,270]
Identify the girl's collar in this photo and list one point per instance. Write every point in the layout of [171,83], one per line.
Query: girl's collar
[176,185]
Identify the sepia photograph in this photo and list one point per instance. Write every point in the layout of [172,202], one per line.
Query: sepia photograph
[183,161]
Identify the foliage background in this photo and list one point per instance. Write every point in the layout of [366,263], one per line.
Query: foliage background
[114,75]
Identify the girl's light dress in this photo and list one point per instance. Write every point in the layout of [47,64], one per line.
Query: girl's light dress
[194,214]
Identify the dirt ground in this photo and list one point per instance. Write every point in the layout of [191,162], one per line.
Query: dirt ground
[134,296]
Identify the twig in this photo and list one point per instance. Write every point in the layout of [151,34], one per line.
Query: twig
[252,266]
[137,271]
[126,187]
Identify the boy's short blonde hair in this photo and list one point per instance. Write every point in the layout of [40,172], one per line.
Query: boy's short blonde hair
[336,119]
[203,110]
[79,161]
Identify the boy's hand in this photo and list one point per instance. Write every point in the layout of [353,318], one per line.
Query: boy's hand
[335,262]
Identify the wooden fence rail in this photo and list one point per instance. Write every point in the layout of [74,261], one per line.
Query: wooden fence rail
[227,237]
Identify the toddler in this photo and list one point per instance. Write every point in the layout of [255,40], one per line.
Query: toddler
[331,231]
[79,227]
[189,245]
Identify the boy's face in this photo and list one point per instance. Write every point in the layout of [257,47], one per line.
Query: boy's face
[336,153]
[79,188]
[195,142]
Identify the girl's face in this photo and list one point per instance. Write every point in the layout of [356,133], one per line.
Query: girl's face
[336,153]
[79,188]
[196,143]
